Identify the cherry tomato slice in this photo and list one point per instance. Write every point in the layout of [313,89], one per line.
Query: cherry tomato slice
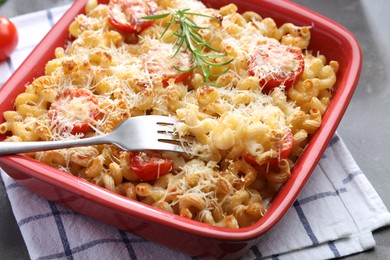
[126,15]
[178,77]
[73,110]
[276,65]
[285,148]
[163,64]
[149,165]
[8,38]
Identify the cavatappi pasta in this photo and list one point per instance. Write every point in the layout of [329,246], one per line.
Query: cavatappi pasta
[247,135]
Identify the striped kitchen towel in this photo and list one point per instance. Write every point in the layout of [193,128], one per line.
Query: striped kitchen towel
[334,215]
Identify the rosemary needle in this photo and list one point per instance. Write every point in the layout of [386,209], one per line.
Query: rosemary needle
[189,38]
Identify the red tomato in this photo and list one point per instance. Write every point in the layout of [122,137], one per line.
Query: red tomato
[8,38]
[178,77]
[276,65]
[163,64]
[149,165]
[73,110]
[126,15]
[285,147]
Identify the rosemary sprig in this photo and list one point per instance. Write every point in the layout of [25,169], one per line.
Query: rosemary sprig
[189,38]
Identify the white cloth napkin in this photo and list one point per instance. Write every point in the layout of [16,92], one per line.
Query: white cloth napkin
[333,216]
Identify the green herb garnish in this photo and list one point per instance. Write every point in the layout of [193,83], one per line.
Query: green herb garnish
[189,38]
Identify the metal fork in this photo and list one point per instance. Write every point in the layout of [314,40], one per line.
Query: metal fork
[134,134]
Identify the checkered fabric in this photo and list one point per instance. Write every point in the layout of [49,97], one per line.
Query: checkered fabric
[333,216]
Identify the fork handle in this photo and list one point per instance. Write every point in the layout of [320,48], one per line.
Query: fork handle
[7,148]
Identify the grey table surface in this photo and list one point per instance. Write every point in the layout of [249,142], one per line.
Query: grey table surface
[364,127]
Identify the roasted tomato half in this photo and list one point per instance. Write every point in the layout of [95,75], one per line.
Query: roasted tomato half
[126,15]
[73,110]
[276,65]
[163,64]
[149,165]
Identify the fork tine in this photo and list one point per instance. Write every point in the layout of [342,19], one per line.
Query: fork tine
[171,138]
[161,120]
[164,124]
[165,129]
[163,146]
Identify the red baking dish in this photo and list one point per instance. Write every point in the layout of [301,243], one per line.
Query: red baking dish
[194,238]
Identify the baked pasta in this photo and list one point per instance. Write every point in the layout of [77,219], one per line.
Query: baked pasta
[246,91]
